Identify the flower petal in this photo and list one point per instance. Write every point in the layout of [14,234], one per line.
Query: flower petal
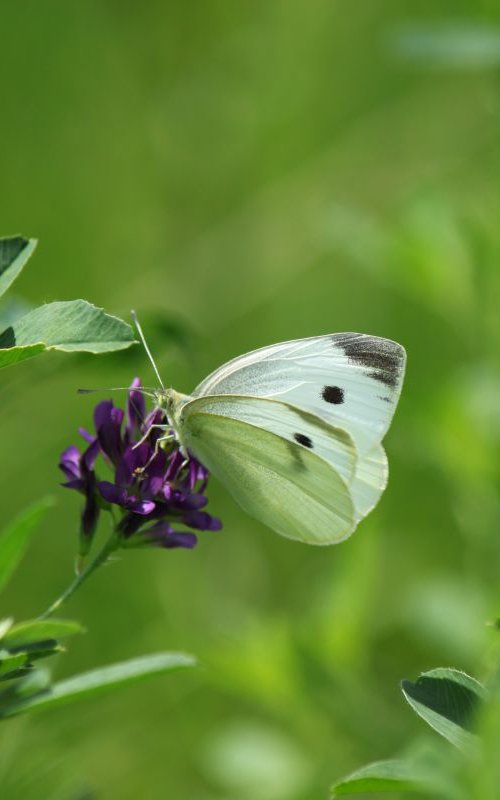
[71,453]
[154,475]
[124,474]
[112,493]
[132,464]
[102,413]
[84,433]
[192,473]
[136,408]
[152,487]
[90,454]
[163,535]
[157,464]
[109,435]
[191,501]
[77,484]
[142,507]
[174,465]
[201,521]
[70,462]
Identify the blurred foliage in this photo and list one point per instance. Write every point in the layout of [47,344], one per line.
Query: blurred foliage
[249,173]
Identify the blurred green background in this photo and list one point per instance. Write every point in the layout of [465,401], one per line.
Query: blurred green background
[244,173]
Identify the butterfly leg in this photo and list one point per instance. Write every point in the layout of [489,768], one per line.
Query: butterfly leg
[143,438]
[168,438]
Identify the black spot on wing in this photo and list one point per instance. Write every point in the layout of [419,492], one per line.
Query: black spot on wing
[333,394]
[382,358]
[338,433]
[296,454]
[301,438]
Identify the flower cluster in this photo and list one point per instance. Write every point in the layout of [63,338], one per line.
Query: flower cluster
[154,488]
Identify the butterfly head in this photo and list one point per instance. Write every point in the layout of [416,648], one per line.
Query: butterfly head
[165,399]
[171,403]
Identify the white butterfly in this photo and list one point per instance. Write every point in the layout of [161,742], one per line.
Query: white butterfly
[294,430]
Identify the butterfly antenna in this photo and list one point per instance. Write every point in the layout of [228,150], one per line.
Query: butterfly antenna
[148,351]
[140,389]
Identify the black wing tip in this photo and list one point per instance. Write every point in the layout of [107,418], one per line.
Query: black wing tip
[356,338]
[384,359]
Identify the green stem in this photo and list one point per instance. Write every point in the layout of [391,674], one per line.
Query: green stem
[100,558]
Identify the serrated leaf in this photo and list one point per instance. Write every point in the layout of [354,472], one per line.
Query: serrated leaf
[40,632]
[381,776]
[14,253]
[70,326]
[447,700]
[13,355]
[99,681]
[15,538]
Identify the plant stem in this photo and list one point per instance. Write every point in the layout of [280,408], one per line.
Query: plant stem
[100,558]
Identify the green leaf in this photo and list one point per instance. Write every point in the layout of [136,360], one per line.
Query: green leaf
[382,776]
[99,681]
[71,326]
[15,538]
[35,631]
[39,650]
[10,662]
[14,253]
[12,355]
[427,771]
[447,700]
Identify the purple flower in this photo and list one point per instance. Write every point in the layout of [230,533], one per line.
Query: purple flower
[114,494]
[153,486]
[78,469]
[162,534]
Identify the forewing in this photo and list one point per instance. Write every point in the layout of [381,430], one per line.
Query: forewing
[281,483]
[351,380]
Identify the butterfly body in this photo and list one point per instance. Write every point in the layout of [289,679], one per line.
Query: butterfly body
[172,402]
[294,430]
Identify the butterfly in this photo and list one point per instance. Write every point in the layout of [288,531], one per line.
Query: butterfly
[294,430]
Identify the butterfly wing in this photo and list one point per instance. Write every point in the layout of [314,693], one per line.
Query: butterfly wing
[296,426]
[281,482]
[369,481]
[350,380]
[364,477]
